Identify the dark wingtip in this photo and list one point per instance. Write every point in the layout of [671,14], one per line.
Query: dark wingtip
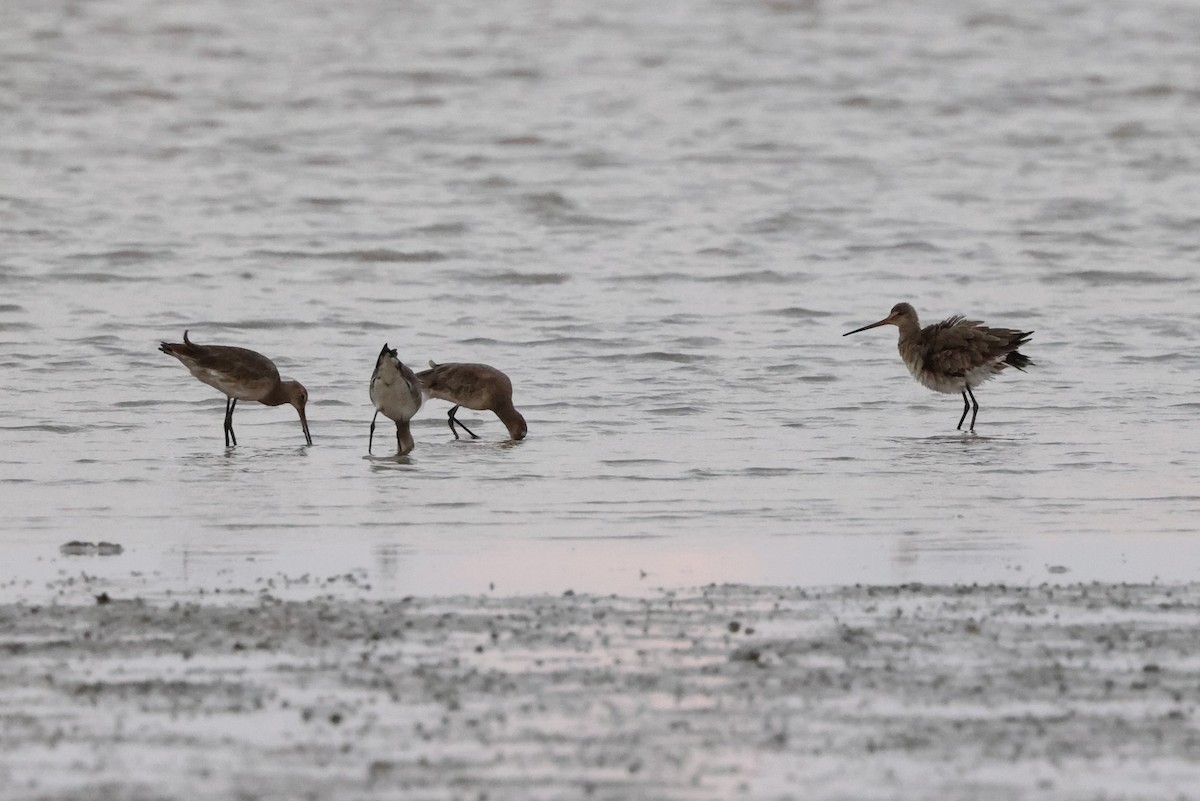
[1018,360]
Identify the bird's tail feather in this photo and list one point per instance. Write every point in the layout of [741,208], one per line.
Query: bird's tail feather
[1018,360]
[176,349]
[1015,358]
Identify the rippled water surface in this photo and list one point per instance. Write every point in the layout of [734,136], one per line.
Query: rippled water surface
[658,218]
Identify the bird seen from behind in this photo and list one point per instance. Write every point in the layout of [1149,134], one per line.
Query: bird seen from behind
[396,392]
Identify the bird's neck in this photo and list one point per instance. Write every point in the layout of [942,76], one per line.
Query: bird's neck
[512,420]
[909,329]
[277,396]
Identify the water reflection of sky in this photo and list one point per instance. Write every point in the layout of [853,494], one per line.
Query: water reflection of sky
[659,227]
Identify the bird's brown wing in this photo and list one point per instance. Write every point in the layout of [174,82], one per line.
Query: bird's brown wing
[450,379]
[472,385]
[238,364]
[956,346]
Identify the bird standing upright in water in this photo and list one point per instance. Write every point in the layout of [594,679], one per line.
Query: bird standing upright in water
[396,392]
[242,375]
[955,355]
[476,386]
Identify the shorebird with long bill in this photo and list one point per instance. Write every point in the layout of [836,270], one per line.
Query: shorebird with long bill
[240,374]
[955,355]
[396,392]
[477,386]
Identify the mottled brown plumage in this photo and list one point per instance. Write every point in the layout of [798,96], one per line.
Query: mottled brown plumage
[955,355]
[476,386]
[239,374]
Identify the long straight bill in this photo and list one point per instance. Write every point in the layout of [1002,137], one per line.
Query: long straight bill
[884,321]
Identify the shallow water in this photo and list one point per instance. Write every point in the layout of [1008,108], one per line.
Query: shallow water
[658,219]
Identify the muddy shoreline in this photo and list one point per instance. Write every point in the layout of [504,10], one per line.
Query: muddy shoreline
[906,692]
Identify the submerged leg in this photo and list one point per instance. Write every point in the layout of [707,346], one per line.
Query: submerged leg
[229,404]
[454,420]
[404,440]
[371,438]
[966,408]
[975,406]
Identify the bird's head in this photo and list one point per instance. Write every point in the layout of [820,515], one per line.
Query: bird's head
[900,315]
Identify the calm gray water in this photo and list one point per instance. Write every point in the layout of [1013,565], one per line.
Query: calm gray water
[658,218]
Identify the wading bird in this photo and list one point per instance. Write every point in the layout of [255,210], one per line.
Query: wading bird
[240,374]
[476,386]
[955,355]
[396,392]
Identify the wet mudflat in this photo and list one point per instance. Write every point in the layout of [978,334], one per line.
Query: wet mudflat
[905,692]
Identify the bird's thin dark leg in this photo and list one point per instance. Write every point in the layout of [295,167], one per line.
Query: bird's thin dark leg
[229,435]
[232,434]
[966,408]
[371,438]
[975,403]
[454,420]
